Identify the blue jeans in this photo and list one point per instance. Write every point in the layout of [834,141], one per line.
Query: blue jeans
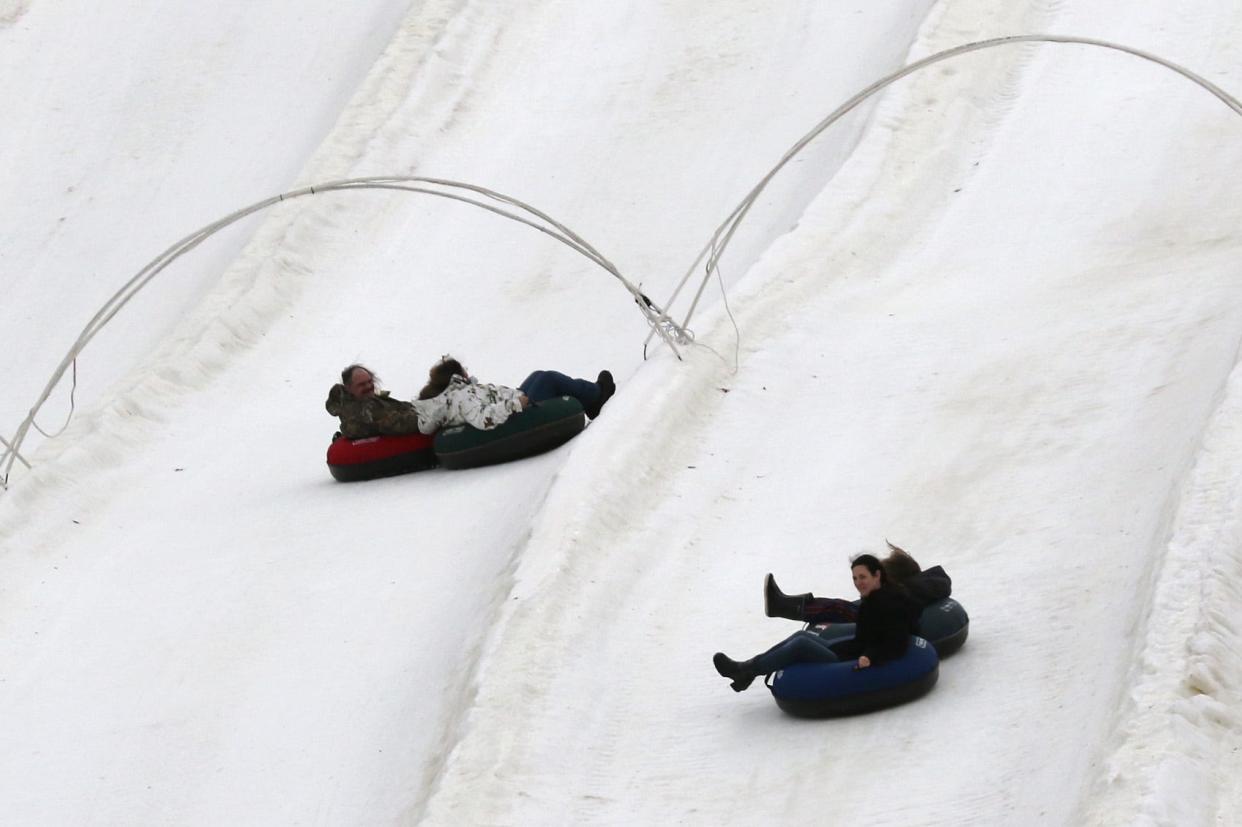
[548,384]
[800,647]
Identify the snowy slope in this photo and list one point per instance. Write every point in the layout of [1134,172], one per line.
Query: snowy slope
[995,321]
[193,604]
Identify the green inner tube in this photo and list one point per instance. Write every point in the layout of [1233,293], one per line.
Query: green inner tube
[541,427]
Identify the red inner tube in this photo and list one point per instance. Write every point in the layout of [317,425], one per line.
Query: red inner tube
[357,451]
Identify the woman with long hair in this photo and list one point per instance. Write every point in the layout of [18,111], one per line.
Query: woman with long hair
[885,622]
[453,397]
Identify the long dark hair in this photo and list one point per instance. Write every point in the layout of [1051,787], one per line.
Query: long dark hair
[438,378]
[899,565]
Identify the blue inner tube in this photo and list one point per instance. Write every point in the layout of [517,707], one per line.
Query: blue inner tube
[944,624]
[826,690]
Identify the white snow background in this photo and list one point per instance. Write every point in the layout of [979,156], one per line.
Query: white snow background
[993,316]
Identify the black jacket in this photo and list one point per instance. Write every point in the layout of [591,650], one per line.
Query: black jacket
[886,619]
[928,586]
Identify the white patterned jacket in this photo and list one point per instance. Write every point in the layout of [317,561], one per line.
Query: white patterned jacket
[466,402]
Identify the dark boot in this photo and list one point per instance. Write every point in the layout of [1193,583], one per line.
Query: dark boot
[607,388]
[778,604]
[741,674]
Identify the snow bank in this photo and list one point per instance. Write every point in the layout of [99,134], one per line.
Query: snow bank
[1176,740]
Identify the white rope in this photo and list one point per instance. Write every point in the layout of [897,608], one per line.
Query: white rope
[73,389]
[13,451]
[687,335]
[719,242]
[659,321]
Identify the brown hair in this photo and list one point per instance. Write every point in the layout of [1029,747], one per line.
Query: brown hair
[900,565]
[438,378]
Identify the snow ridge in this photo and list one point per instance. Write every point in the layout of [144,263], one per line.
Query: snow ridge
[414,92]
[555,579]
[1177,740]
[923,116]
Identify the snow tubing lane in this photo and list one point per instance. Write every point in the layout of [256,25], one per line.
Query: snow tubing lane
[944,624]
[829,690]
[541,427]
[351,460]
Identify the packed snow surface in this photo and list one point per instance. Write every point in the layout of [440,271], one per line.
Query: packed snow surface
[993,316]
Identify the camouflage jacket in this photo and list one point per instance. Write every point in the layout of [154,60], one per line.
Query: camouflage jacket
[373,416]
[466,402]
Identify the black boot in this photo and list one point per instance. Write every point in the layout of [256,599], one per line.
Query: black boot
[778,604]
[741,674]
[607,388]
